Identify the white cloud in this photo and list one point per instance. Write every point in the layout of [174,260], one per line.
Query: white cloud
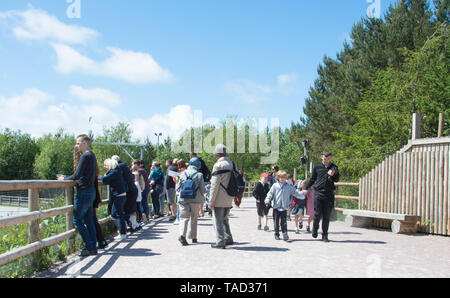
[248,91]
[171,124]
[251,92]
[284,80]
[37,113]
[37,24]
[96,96]
[133,67]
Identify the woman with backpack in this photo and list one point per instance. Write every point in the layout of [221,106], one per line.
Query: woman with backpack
[192,193]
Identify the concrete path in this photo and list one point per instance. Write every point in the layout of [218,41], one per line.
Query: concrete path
[352,252]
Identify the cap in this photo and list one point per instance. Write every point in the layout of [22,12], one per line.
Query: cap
[221,150]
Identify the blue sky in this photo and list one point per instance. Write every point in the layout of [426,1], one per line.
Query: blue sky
[153,63]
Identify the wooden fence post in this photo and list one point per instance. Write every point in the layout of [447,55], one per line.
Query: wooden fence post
[33,229]
[441,125]
[69,217]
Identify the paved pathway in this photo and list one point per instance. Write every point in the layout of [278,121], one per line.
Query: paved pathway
[352,252]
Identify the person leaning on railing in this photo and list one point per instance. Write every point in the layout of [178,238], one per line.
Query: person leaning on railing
[85,176]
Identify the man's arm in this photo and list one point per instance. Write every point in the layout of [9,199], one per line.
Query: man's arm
[80,169]
[313,179]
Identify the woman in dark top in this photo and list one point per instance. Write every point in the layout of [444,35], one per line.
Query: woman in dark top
[114,178]
[98,230]
[259,193]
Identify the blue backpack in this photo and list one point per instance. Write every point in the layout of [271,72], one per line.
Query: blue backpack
[188,189]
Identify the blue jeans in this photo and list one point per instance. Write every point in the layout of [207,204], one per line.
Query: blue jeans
[162,198]
[118,214]
[83,217]
[144,204]
[155,202]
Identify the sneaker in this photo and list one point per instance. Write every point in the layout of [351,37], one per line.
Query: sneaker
[183,241]
[308,229]
[259,227]
[297,231]
[277,237]
[288,218]
[285,237]
[315,234]
[194,240]
[300,225]
[121,237]
[266,228]
[325,238]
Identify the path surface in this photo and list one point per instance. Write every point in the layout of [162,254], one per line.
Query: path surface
[352,252]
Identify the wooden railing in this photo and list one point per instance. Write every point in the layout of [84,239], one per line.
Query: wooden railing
[35,215]
[250,185]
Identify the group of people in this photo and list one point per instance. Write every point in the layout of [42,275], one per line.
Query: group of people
[278,191]
[184,186]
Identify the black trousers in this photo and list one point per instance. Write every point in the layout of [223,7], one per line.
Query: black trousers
[279,218]
[322,210]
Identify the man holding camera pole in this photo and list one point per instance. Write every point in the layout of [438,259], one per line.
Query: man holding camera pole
[323,177]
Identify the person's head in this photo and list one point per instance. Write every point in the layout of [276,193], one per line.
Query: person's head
[83,143]
[264,178]
[175,161]
[326,157]
[156,165]
[220,151]
[110,164]
[116,158]
[275,169]
[282,176]
[181,164]
[195,162]
[192,155]
[303,184]
[168,163]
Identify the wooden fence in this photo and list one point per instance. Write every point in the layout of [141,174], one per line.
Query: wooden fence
[415,183]
[35,215]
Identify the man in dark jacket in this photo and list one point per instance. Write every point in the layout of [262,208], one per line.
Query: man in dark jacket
[323,177]
[85,176]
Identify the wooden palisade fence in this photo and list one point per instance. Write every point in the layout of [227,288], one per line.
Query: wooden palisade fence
[414,183]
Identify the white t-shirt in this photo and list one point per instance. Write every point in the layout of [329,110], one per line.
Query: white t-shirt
[139,197]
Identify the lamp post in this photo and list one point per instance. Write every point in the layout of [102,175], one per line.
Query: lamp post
[157,148]
[305,157]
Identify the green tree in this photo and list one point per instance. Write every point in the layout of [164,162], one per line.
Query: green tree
[17,155]
[56,155]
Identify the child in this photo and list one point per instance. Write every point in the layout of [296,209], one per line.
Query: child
[280,193]
[259,193]
[298,208]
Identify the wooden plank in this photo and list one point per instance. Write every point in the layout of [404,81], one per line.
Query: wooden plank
[440,183]
[351,198]
[383,186]
[432,191]
[33,228]
[35,216]
[446,192]
[70,201]
[347,184]
[428,191]
[408,183]
[414,182]
[378,181]
[383,215]
[34,247]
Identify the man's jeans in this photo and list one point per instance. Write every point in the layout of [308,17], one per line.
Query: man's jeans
[222,226]
[144,204]
[83,217]
[118,214]
[162,198]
